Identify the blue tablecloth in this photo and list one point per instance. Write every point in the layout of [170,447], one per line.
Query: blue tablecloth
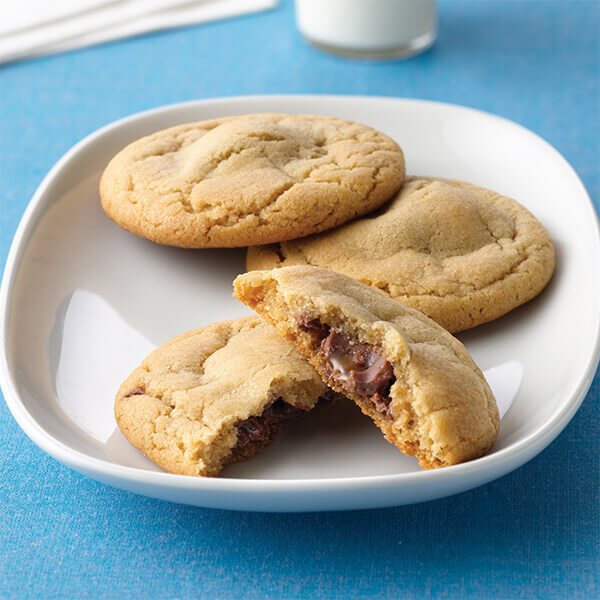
[532,534]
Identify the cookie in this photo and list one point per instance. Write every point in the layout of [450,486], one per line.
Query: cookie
[461,254]
[414,379]
[216,395]
[253,179]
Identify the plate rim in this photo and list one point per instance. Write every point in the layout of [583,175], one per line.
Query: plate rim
[496,464]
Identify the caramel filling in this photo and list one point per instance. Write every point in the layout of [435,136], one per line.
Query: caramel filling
[356,367]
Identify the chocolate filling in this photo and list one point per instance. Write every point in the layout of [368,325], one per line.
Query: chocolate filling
[138,391]
[258,432]
[312,325]
[356,367]
[261,431]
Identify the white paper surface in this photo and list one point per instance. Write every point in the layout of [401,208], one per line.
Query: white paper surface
[36,27]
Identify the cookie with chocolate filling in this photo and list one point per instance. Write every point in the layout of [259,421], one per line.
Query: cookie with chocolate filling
[461,254]
[250,179]
[216,395]
[413,378]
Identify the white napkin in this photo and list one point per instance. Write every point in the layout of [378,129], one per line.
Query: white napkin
[35,27]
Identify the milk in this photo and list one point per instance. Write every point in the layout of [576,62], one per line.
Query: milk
[368,27]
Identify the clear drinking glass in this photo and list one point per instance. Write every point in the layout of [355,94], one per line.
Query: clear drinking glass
[368,28]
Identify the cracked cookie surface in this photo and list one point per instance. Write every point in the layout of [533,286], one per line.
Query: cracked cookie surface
[414,379]
[252,179]
[216,395]
[462,254]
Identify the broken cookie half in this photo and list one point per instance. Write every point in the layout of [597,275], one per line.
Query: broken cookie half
[413,378]
[216,395]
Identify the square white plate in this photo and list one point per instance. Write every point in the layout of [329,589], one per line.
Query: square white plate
[83,302]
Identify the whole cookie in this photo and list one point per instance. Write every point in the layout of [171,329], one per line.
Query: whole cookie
[252,179]
[462,254]
[216,395]
[415,380]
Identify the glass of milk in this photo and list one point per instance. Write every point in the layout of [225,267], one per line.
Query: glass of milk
[368,28]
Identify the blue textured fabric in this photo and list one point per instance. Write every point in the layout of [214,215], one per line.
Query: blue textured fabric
[532,534]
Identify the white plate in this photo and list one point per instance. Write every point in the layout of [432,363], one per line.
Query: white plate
[84,301]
